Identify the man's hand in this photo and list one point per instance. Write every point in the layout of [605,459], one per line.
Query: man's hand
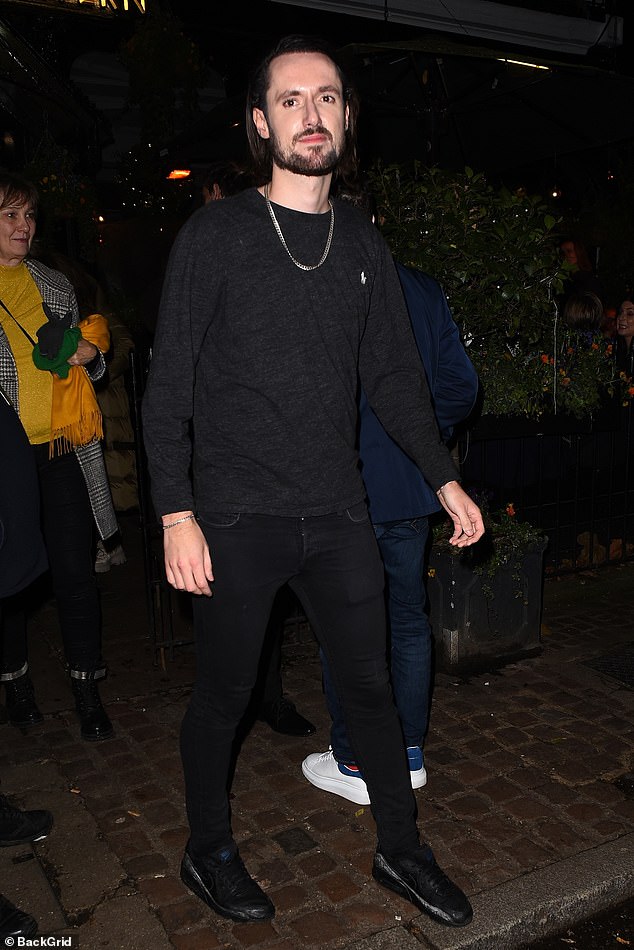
[465,514]
[187,557]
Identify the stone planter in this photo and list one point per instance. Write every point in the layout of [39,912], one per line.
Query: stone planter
[480,622]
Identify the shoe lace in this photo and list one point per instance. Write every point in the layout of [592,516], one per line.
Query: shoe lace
[236,880]
[326,756]
[438,880]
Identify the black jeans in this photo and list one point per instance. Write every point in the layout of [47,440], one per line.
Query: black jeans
[332,563]
[68,527]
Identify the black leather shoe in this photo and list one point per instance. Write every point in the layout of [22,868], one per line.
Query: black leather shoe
[419,879]
[22,709]
[14,922]
[95,724]
[20,827]
[227,888]
[282,716]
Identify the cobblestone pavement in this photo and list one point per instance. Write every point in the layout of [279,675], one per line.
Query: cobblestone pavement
[529,803]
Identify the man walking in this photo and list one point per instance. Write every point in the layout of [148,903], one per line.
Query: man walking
[275,303]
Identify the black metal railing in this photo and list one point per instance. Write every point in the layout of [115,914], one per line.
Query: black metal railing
[573,480]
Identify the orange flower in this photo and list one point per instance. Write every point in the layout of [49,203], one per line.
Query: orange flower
[510,510]
[544,358]
[630,391]
[595,346]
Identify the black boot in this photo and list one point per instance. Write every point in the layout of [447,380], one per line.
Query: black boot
[22,709]
[95,724]
[14,922]
[20,827]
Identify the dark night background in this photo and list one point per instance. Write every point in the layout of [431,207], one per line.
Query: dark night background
[441,98]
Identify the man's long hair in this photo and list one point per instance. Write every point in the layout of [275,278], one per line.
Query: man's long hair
[256,99]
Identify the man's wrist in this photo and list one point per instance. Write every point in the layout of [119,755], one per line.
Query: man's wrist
[177,517]
[440,492]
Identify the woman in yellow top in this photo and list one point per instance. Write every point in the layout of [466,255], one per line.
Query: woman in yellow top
[47,365]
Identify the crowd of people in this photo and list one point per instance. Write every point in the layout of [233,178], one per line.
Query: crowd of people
[587,311]
[302,397]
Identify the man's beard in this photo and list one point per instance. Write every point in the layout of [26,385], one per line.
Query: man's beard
[320,159]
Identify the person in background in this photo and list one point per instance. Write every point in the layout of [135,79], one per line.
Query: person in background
[625,338]
[581,276]
[608,323]
[47,366]
[583,313]
[22,560]
[276,302]
[400,502]
[224,178]
[112,398]
[118,437]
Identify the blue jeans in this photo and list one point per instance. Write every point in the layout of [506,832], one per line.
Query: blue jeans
[403,550]
[332,564]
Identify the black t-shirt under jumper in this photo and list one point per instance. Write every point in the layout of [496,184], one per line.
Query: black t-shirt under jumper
[256,363]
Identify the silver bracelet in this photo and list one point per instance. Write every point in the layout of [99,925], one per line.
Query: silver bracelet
[178,521]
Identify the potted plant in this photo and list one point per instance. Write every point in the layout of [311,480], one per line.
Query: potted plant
[485,601]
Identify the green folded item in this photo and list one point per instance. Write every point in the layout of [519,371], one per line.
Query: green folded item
[60,363]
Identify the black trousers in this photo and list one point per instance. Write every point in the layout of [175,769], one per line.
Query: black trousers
[333,565]
[68,529]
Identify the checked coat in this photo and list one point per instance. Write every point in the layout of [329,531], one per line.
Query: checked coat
[57,292]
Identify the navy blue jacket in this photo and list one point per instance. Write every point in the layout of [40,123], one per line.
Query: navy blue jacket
[395,487]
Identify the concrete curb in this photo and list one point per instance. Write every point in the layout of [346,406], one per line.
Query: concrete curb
[543,902]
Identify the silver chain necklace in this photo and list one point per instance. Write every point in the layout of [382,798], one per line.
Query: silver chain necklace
[278,230]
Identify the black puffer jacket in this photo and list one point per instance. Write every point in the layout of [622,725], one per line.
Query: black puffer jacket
[22,554]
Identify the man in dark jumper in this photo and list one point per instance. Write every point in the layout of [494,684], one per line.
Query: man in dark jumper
[276,302]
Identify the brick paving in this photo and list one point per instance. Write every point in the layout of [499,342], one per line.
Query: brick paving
[527,767]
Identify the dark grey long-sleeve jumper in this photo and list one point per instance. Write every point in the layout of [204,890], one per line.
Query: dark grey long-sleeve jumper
[251,402]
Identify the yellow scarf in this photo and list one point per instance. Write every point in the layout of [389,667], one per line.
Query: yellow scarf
[75,416]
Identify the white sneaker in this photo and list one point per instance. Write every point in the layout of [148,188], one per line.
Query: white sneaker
[322,770]
[417,771]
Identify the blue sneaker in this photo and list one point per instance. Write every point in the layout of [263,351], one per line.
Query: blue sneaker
[417,771]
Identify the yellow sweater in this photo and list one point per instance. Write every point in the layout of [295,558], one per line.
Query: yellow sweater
[20,295]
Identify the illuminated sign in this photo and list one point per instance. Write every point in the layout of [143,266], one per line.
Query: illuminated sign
[116,5]
[88,6]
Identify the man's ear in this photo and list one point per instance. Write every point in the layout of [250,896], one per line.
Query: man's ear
[259,120]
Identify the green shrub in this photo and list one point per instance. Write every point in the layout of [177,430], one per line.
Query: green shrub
[495,253]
